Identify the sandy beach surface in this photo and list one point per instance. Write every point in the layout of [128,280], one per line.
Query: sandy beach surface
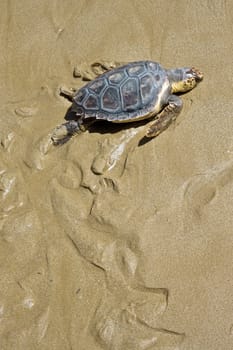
[107,243]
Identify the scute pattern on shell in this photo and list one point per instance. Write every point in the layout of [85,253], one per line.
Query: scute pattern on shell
[122,94]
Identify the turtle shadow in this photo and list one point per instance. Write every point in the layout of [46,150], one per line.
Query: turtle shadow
[145,140]
[106,127]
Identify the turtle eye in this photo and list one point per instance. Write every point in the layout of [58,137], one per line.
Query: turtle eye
[189,73]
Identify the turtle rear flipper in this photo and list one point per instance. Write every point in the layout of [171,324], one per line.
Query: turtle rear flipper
[64,132]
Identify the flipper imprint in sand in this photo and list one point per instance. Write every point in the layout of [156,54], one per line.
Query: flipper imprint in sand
[128,314]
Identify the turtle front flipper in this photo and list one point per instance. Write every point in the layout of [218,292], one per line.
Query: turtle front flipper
[166,117]
[64,132]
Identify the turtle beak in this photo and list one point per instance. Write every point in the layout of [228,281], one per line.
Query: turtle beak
[198,75]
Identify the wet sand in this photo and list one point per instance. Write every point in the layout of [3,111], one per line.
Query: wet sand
[105,243]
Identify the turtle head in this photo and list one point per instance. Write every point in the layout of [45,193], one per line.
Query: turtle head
[184,79]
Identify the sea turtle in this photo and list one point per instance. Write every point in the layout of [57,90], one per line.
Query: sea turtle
[135,91]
